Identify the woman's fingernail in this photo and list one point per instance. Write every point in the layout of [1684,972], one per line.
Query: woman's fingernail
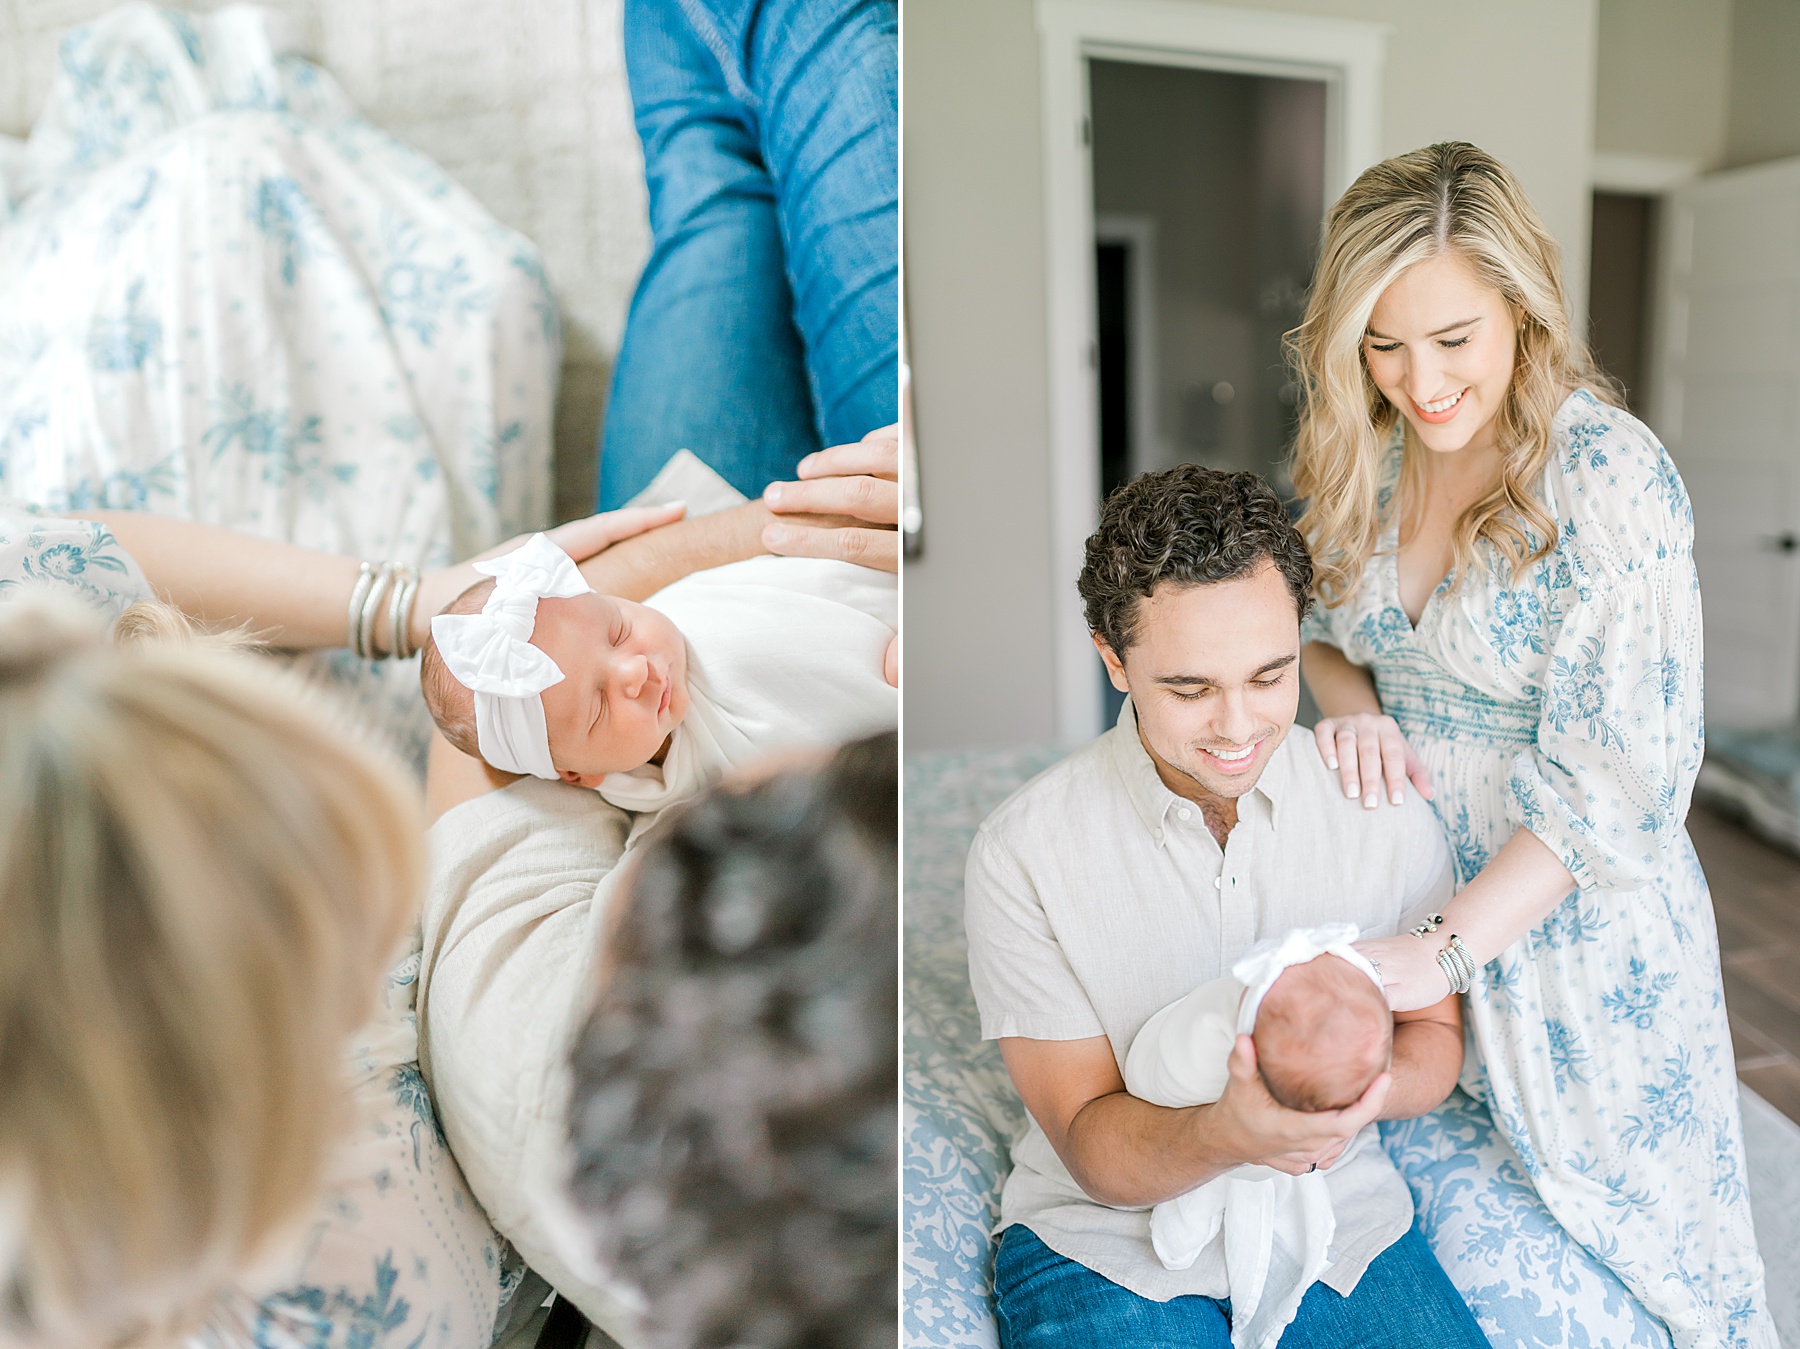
[1331,763]
[1369,801]
[772,493]
[1398,799]
[776,535]
[1351,789]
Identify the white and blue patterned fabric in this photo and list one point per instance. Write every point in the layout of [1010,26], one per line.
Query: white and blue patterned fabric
[68,557]
[399,1252]
[1568,703]
[226,296]
[1528,1282]
[960,1114]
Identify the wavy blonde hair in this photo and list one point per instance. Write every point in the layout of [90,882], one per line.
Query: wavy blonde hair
[1446,198]
[201,884]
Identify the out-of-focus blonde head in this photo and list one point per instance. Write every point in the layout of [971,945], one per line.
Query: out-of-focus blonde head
[201,884]
[1447,198]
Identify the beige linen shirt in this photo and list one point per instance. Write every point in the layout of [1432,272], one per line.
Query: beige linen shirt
[1096,896]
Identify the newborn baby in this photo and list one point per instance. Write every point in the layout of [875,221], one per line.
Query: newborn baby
[534,672]
[1314,1008]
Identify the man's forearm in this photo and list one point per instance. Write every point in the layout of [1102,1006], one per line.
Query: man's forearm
[638,567]
[1427,1059]
[1128,1153]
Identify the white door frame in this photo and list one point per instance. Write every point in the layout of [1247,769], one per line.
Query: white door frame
[1346,55]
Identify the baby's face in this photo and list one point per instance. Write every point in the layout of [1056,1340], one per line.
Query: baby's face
[624,687]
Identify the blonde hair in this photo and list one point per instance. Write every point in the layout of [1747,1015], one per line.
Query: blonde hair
[1447,198]
[201,883]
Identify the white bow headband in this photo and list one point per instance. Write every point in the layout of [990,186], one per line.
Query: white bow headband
[490,654]
[1263,963]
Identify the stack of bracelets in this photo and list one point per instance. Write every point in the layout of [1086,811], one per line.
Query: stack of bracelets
[1454,960]
[396,583]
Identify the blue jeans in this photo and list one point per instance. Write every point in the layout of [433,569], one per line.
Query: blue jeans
[766,323]
[1046,1301]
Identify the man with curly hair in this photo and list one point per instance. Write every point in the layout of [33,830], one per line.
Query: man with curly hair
[1146,865]
[734,1116]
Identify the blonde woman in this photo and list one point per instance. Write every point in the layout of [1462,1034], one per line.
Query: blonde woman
[1511,619]
[210,1125]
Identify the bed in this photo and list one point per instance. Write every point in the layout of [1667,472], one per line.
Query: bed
[960,1114]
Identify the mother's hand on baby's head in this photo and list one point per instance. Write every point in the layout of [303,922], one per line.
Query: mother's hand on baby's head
[1258,1129]
[861,481]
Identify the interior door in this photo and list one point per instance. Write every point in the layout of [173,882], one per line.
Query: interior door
[1726,401]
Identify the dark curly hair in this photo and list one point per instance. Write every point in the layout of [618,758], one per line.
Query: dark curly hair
[1188,526]
[735,1109]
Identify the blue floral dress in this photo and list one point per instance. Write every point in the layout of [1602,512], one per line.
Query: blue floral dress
[1600,1074]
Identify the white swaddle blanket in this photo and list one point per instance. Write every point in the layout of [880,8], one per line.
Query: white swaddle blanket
[1277,1228]
[783,653]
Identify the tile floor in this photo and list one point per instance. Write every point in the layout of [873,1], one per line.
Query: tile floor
[1756,894]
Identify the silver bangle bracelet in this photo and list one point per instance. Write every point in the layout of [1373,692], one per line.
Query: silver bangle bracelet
[365,624]
[406,589]
[365,578]
[1458,967]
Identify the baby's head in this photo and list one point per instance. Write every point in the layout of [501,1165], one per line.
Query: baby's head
[622,694]
[1323,1034]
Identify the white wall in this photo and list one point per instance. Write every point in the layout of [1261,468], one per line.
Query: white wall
[1516,78]
[1764,120]
[523,103]
[1663,79]
[1714,82]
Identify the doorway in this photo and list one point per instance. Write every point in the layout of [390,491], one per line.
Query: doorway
[1622,243]
[1226,172]
[1339,63]
[1208,193]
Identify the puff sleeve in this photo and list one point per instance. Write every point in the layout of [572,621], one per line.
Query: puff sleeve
[1606,785]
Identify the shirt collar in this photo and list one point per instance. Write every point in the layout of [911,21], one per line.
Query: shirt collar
[1153,800]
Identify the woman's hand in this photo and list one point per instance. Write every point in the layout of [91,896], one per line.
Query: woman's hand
[1367,750]
[861,481]
[580,539]
[1410,974]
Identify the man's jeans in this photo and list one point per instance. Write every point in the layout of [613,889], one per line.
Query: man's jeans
[766,323]
[1046,1300]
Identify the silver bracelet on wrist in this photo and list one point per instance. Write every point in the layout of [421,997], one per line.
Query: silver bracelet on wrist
[364,636]
[1458,967]
[365,578]
[400,607]
[394,585]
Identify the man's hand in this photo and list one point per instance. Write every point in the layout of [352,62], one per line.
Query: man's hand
[861,481]
[1251,1126]
[1126,1152]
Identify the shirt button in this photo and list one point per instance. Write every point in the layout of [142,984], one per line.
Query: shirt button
[1185,813]
[1218,881]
